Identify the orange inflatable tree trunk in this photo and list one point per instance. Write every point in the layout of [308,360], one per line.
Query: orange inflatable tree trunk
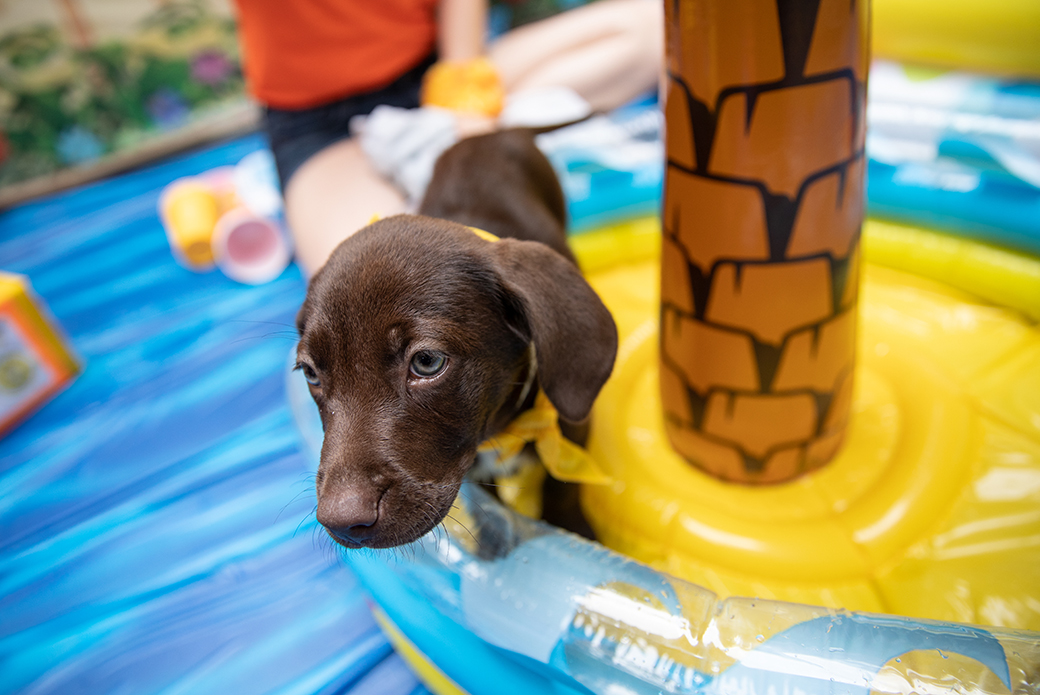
[762,210]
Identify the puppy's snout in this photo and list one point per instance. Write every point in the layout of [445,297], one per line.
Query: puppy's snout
[350,515]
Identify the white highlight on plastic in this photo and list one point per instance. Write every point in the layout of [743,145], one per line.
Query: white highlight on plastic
[720,537]
[641,616]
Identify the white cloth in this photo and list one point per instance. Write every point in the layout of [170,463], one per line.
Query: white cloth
[543,106]
[404,144]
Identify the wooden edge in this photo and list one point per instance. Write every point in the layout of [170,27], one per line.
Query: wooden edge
[237,120]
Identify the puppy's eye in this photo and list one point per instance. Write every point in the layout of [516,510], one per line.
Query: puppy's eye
[427,363]
[309,374]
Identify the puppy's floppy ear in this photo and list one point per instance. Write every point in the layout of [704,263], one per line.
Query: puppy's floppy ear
[573,333]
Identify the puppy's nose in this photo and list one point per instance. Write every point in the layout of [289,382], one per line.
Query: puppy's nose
[350,515]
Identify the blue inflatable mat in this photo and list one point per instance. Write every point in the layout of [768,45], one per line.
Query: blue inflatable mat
[157,532]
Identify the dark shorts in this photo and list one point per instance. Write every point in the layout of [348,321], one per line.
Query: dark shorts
[296,135]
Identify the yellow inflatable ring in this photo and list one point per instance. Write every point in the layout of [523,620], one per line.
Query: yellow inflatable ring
[1002,37]
[932,508]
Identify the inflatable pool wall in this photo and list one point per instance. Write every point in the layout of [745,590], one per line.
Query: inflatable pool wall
[499,604]
[763,203]
[1000,37]
[495,603]
[612,625]
[502,604]
[949,150]
[956,151]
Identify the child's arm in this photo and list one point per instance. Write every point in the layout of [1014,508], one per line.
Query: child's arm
[463,80]
[461,28]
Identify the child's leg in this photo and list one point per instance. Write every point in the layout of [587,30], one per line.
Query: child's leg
[332,195]
[609,52]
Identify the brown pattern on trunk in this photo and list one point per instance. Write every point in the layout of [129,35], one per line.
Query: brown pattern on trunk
[762,210]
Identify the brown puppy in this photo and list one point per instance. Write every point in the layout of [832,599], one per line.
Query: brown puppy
[417,339]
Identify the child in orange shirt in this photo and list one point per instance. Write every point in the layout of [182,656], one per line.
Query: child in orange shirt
[315,64]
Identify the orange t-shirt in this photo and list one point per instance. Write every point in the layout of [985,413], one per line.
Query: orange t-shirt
[302,53]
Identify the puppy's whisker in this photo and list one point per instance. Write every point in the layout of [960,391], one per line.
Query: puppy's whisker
[295,497]
[466,529]
[320,541]
[306,479]
[262,323]
[263,337]
[305,519]
[282,333]
[474,504]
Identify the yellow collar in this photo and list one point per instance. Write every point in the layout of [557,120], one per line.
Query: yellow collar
[565,460]
[520,487]
[486,236]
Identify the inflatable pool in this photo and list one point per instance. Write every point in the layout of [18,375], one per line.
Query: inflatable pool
[956,151]
[889,500]
[918,515]
[497,603]
[1000,37]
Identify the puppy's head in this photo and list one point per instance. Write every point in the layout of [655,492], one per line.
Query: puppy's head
[414,338]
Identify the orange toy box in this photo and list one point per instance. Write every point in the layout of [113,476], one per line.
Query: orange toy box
[35,360]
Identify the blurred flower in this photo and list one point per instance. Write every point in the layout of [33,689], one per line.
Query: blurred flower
[76,97]
[77,145]
[167,108]
[5,147]
[211,67]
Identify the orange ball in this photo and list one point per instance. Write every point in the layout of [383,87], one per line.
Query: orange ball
[471,86]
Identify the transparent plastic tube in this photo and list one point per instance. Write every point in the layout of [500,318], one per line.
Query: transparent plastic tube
[616,626]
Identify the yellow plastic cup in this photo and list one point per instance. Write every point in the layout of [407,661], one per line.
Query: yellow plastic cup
[189,210]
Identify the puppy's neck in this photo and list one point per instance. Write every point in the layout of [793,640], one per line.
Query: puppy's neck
[522,396]
[526,396]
